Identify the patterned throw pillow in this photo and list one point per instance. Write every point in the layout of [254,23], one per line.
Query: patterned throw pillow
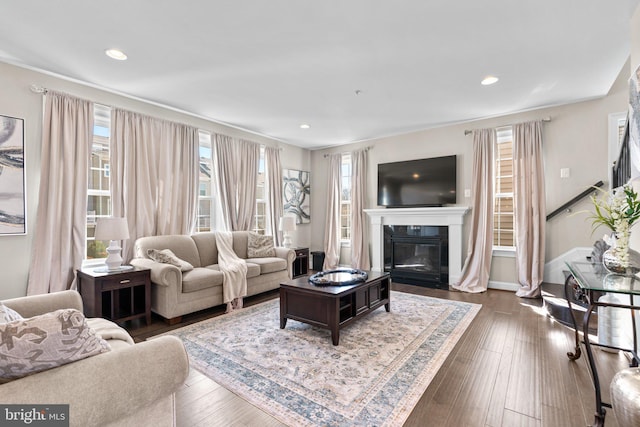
[166,256]
[47,341]
[8,315]
[260,246]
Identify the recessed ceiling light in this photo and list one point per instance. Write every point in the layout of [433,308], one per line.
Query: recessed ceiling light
[489,80]
[304,126]
[116,54]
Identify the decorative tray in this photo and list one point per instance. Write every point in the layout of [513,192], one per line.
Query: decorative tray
[339,277]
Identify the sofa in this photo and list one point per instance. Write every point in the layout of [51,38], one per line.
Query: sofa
[129,385]
[175,293]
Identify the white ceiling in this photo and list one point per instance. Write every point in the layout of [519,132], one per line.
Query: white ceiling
[269,66]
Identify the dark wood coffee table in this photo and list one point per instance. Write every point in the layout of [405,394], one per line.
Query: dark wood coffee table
[333,307]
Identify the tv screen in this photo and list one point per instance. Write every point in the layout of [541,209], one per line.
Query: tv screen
[424,182]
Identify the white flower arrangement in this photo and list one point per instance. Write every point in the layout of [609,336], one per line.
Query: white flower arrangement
[617,210]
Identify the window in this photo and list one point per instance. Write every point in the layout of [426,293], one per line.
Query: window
[98,196]
[503,218]
[345,200]
[260,223]
[205,197]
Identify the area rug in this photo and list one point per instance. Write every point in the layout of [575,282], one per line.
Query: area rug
[376,375]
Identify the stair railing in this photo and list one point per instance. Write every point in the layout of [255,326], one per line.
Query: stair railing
[577,198]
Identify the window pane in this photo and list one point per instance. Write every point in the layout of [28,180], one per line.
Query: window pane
[503,220]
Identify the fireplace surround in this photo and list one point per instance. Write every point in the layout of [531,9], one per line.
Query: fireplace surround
[450,217]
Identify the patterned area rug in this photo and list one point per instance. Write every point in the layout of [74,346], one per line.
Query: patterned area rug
[376,375]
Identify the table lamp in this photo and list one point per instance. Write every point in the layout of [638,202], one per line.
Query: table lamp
[113,229]
[287,225]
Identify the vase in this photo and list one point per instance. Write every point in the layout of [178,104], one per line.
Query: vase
[614,264]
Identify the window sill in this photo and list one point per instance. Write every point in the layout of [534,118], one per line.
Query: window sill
[504,252]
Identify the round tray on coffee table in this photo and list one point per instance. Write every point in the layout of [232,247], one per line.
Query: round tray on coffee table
[338,277]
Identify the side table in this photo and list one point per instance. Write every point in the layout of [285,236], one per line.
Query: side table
[593,283]
[118,295]
[301,263]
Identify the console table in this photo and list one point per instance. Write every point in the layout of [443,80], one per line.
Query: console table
[593,281]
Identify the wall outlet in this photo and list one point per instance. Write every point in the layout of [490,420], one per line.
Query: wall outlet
[467,193]
[565,172]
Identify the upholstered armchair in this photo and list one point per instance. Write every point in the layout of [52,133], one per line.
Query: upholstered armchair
[129,385]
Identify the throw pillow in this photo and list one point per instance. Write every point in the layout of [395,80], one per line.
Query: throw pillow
[47,341]
[166,256]
[260,246]
[8,315]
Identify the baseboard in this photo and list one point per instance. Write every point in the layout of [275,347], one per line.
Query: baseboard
[503,286]
[553,270]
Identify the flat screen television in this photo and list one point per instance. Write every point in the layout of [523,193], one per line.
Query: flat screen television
[423,182]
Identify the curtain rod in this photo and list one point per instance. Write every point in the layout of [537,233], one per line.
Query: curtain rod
[546,119]
[367,148]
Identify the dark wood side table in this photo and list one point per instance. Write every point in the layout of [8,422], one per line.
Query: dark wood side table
[301,263]
[118,296]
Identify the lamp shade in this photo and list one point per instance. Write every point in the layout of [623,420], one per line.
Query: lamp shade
[287,223]
[112,228]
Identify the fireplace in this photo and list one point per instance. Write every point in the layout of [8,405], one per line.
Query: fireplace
[449,217]
[417,254]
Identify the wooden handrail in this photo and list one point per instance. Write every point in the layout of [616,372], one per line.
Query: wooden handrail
[575,199]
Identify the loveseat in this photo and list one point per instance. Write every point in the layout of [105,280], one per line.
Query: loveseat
[175,293]
[128,385]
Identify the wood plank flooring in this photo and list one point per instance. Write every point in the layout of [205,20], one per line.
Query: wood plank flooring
[509,369]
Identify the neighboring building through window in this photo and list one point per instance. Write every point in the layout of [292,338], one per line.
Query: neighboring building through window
[345,200]
[98,195]
[503,217]
[205,196]
[260,223]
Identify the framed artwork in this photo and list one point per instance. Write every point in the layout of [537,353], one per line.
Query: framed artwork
[296,192]
[12,177]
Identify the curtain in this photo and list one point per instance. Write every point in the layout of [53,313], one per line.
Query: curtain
[477,266]
[273,190]
[529,200]
[236,170]
[224,173]
[247,183]
[332,227]
[359,234]
[60,233]
[154,175]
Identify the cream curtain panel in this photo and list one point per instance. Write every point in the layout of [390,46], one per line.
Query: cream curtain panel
[477,266]
[154,175]
[273,192]
[332,226]
[67,135]
[236,169]
[529,199]
[359,234]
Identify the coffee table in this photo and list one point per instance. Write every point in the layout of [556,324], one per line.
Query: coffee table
[333,307]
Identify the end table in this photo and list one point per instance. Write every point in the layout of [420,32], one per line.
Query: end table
[116,295]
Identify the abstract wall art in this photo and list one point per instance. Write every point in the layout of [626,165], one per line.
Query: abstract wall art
[12,177]
[296,193]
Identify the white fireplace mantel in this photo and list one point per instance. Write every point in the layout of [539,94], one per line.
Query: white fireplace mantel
[451,217]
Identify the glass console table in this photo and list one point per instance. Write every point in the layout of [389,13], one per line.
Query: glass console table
[593,281]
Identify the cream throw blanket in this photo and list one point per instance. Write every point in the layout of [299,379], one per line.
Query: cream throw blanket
[234,270]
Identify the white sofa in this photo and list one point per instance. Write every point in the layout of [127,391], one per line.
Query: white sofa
[130,385]
[175,293]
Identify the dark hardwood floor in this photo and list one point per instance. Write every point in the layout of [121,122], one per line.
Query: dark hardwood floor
[509,369]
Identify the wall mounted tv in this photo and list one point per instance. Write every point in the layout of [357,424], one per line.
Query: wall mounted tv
[423,182]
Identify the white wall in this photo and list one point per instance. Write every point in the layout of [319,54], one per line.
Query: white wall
[17,100]
[576,138]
